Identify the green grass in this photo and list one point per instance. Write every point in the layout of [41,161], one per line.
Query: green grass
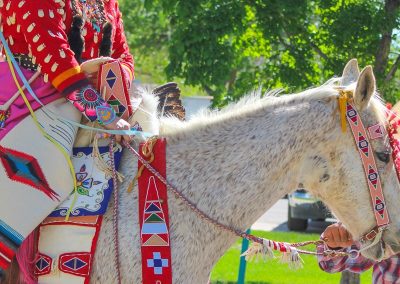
[272,272]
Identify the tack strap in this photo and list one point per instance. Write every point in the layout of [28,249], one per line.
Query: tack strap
[154,220]
[368,161]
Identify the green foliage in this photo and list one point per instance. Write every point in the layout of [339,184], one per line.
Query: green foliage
[229,48]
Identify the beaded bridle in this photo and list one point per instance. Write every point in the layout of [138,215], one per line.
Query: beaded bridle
[290,250]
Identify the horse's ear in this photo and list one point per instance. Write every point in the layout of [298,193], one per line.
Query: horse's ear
[365,88]
[350,73]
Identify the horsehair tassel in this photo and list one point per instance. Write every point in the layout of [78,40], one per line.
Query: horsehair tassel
[256,250]
[101,164]
[293,259]
[343,98]
[290,254]
[106,43]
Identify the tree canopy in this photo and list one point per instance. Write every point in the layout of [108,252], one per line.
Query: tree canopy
[230,47]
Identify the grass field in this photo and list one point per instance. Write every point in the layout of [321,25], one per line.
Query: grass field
[272,272]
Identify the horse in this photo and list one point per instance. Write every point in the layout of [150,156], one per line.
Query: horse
[236,163]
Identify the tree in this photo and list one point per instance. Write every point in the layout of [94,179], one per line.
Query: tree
[231,47]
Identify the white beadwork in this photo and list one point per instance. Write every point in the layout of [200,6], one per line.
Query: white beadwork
[39,68]
[95,38]
[41,47]
[40,13]
[21,3]
[26,15]
[36,38]
[51,14]
[60,11]
[10,40]
[1,3]
[84,31]
[62,53]
[48,57]
[54,67]
[51,33]
[12,18]
[18,28]
[46,78]
[30,28]
[8,5]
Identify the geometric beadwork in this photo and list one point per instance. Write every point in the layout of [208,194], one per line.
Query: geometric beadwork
[75,263]
[352,114]
[43,265]
[376,131]
[157,263]
[154,229]
[379,206]
[111,78]
[117,106]
[373,176]
[363,144]
[25,169]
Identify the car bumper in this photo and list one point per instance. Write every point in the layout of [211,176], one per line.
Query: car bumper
[304,206]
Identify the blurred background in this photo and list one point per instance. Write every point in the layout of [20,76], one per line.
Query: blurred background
[225,48]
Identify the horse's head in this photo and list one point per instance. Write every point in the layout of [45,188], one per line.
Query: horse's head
[338,175]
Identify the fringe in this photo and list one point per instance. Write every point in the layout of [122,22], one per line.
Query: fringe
[293,259]
[290,255]
[105,46]
[257,251]
[75,38]
[26,257]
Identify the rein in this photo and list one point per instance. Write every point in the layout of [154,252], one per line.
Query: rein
[290,250]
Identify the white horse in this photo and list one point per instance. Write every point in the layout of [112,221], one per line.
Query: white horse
[235,164]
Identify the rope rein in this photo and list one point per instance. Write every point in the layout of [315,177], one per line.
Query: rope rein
[115,211]
[281,246]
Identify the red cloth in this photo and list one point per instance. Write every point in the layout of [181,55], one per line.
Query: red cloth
[44,25]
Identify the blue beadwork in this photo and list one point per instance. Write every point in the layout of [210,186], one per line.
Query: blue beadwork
[157,263]
[75,264]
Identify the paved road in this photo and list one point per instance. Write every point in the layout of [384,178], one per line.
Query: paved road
[275,219]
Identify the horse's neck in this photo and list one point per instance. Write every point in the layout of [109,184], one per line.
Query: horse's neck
[237,168]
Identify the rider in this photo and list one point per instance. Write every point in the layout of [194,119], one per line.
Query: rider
[338,238]
[52,37]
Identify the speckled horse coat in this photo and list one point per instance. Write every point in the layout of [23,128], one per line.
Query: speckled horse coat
[237,163]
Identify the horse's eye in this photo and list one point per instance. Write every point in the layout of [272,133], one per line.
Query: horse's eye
[383,156]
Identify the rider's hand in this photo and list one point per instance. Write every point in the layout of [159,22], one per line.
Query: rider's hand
[337,236]
[119,124]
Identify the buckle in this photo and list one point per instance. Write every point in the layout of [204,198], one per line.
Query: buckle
[371,235]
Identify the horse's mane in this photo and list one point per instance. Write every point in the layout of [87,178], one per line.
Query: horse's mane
[255,100]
